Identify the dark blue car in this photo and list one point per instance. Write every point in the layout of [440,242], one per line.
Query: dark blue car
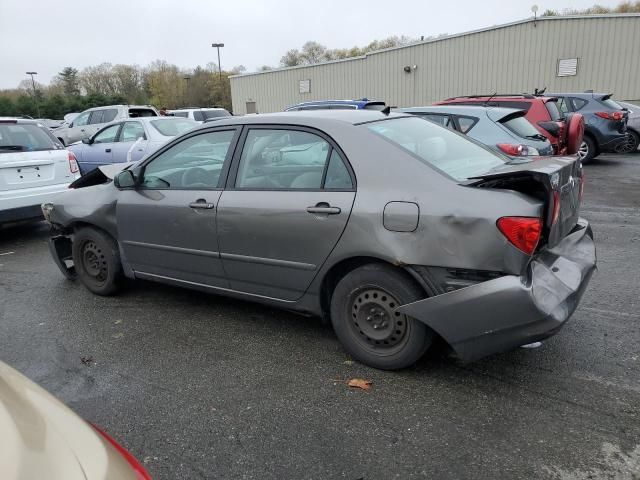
[362,104]
[605,121]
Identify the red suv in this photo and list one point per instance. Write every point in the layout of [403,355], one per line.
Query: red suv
[565,135]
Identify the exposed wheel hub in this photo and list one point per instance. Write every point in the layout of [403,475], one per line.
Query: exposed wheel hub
[374,317]
[93,261]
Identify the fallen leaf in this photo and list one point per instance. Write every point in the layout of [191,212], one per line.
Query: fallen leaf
[360,383]
[118,335]
[348,362]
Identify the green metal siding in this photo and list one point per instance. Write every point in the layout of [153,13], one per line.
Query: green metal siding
[512,58]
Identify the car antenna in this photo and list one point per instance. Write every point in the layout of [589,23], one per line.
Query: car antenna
[486,103]
[386,110]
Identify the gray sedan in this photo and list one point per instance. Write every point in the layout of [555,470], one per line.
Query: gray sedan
[395,229]
[127,140]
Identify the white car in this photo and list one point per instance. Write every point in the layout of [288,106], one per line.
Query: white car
[34,168]
[200,115]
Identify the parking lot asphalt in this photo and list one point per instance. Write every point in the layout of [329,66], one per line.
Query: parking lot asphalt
[199,386]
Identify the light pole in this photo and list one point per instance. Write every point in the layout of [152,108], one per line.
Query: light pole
[218,46]
[35,95]
[186,93]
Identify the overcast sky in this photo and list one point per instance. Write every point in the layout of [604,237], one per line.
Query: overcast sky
[48,35]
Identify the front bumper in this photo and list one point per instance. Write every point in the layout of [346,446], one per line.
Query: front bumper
[501,314]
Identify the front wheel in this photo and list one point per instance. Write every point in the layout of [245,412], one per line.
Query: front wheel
[364,317]
[97,261]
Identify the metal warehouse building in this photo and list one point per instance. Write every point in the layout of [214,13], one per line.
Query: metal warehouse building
[572,53]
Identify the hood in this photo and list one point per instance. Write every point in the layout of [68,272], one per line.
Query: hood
[42,438]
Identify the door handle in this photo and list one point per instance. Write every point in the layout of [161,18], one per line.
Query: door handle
[108,150]
[202,203]
[324,207]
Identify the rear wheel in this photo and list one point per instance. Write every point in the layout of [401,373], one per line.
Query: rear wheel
[364,317]
[97,261]
[631,145]
[587,150]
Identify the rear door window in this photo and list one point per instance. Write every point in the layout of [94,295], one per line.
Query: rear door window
[281,159]
[563,105]
[96,117]
[198,116]
[109,115]
[440,119]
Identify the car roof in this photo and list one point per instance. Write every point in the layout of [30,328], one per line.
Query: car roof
[312,118]
[19,120]
[119,105]
[189,109]
[460,109]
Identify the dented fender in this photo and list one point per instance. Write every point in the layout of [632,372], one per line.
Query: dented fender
[510,311]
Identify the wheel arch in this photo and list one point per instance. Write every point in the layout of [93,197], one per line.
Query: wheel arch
[341,268]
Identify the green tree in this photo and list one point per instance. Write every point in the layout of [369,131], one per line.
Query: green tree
[7,107]
[70,83]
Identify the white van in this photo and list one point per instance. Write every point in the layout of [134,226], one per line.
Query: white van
[90,121]
[34,168]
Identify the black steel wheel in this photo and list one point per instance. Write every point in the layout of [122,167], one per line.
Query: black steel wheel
[365,317]
[631,144]
[97,261]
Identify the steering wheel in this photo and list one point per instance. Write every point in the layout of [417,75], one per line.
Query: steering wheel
[196,178]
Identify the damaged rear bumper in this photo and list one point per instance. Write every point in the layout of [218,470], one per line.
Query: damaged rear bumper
[60,248]
[504,313]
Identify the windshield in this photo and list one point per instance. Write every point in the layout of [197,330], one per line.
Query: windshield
[173,127]
[447,151]
[21,137]
[521,127]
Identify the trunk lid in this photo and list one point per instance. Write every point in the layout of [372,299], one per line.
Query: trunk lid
[20,170]
[557,181]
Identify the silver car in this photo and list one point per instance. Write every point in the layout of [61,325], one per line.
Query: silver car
[633,128]
[87,123]
[503,129]
[396,229]
[128,141]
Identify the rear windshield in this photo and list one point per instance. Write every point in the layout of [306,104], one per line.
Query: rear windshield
[612,104]
[554,112]
[521,127]
[447,151]
[173,126]
[16,137]
[142,112]
[207,114]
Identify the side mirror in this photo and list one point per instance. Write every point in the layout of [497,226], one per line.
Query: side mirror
[70,125]
[125,179]
[87,141]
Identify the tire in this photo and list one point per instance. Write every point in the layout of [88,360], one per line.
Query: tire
[631,145]
[363,317]
[97,261]
[587,150]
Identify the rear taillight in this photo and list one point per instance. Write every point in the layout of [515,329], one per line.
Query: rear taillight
[73,163]
[556,207]
[138,469]
[514,150]
[522,232]
[616,116]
